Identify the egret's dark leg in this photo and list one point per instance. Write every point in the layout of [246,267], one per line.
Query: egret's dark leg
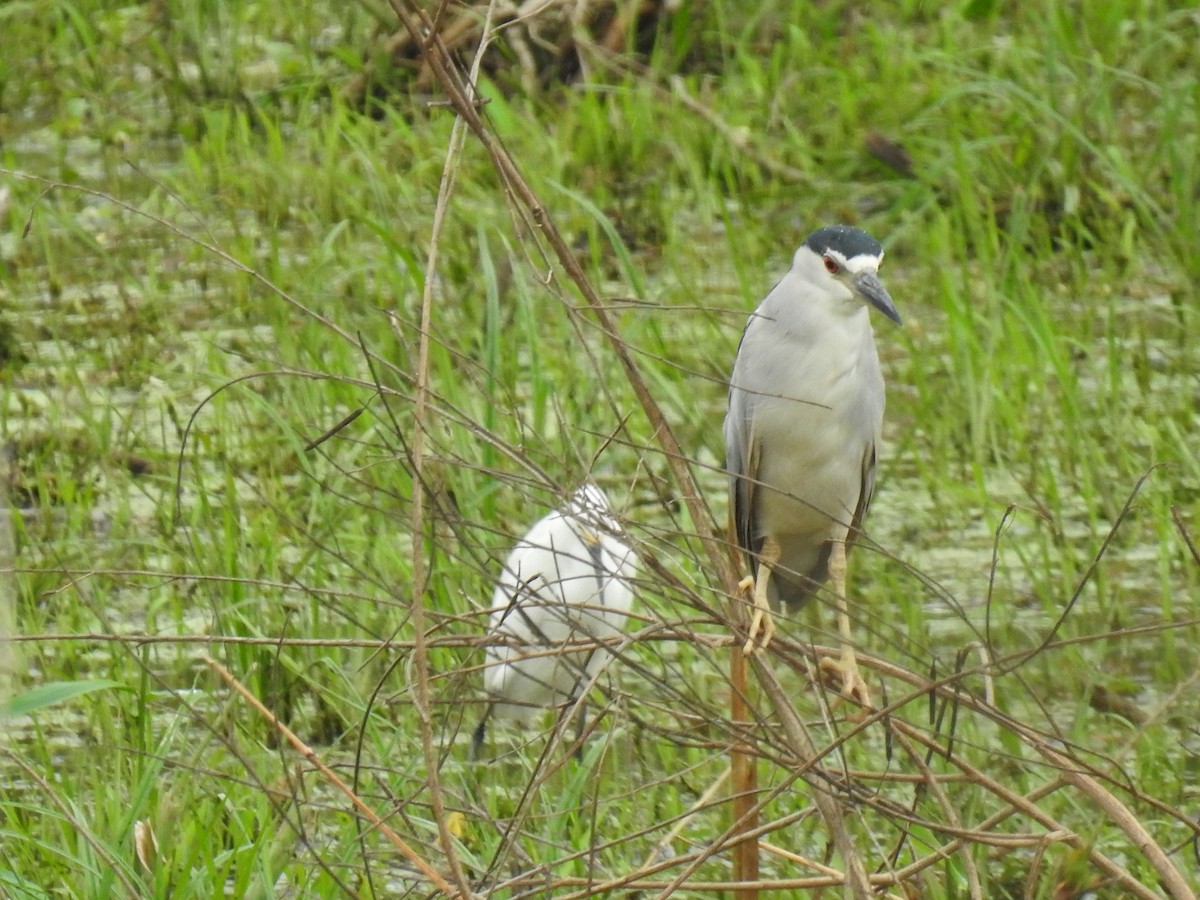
[580,731]
[479,735]
[560,723]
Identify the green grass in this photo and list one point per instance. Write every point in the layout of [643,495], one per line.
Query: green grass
[158,403]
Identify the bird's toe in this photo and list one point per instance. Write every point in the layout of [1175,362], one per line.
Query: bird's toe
[843,676]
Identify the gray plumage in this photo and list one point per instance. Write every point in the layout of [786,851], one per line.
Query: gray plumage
[805,413]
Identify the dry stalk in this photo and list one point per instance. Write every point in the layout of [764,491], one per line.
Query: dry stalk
[309,754]
[939,793]
[1024,806]
[667,633]
[421,698]
[701,802]
[80,827]
[857,880]
[1070,773]
[744,771]
[1183,533]
[590,889]
[983,835]
[1121,816]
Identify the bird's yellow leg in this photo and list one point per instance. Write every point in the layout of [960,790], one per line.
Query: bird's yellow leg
[845,669]
[761,619]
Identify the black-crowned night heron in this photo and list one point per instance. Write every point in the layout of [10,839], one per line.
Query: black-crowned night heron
[570,579]
[803,426]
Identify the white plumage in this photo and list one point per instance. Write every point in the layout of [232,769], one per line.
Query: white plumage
[569,579]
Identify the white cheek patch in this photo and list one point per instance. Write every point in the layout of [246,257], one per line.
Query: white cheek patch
[862,262]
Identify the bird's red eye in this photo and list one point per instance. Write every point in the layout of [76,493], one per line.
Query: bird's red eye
[831,265]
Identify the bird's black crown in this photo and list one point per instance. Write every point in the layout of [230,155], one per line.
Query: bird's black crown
[845,239]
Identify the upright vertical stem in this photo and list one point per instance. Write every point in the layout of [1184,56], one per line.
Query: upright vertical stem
[421,699]
[8,596]
[744,777]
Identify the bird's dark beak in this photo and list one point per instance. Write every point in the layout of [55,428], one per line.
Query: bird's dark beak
[871,289]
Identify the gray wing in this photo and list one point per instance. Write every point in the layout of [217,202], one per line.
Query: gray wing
[742,457]
[864,496]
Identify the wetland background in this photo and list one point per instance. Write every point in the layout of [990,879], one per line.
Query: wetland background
[215,249]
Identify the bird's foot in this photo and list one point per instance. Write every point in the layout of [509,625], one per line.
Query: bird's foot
[761,619]
[843,675]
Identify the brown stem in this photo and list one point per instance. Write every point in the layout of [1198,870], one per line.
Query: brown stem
[311,755]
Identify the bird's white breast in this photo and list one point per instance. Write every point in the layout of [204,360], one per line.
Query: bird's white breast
[567,580]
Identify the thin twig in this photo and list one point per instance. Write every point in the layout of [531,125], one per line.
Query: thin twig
[1095,563]
[420,584]
[943,799]
[1121,816]
[1021,804]
[857,880]
[80,827]
[1183,533]
[682,822]
[515,181]
[308,753]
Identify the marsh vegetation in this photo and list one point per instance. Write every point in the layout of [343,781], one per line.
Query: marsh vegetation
[230,445]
